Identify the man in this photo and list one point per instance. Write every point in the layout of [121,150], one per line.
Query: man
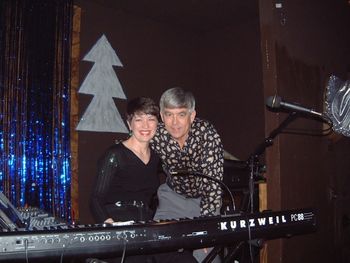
[192,154]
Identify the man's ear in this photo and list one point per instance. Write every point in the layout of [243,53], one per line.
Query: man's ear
[193,115]
[128,125]
[161,116]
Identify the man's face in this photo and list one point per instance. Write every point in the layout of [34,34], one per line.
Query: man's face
[178,122]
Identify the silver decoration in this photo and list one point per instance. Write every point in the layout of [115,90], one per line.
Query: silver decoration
[102,82]
[338,104]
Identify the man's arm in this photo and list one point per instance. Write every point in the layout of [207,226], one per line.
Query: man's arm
[212,166]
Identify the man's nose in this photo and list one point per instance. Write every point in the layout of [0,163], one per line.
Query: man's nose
[174,120]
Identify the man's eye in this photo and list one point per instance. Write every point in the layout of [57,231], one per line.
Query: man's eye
[182,114]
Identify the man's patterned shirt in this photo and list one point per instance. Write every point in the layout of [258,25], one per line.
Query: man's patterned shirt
[202,154]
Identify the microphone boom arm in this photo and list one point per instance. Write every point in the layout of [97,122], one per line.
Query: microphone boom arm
[269,140]
[254,158]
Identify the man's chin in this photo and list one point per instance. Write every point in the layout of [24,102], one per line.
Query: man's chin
[175,136]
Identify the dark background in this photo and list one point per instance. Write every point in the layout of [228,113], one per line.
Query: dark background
[233,55]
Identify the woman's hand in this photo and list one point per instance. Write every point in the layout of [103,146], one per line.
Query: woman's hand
[109,221]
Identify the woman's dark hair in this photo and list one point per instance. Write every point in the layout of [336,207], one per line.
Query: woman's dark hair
[141,105]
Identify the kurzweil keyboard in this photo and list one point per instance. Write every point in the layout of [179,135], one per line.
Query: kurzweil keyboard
[101,240]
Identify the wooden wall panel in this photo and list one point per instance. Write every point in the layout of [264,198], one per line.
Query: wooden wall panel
[74,112]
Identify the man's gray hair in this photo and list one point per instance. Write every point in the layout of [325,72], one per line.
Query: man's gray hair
[177,98]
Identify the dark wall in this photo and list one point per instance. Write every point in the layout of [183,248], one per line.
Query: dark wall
[311,43]
[232,80]
[222,67]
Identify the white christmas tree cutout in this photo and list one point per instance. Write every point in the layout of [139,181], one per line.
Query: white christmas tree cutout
[102,114]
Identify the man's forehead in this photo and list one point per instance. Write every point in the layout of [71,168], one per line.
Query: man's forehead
[176,110]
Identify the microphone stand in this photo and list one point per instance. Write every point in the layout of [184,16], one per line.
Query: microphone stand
[253,160]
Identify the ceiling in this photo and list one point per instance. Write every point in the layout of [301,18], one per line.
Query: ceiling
[201,15]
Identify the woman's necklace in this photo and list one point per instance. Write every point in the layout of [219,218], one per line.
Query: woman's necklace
[142,154]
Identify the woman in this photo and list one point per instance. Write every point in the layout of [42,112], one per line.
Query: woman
[127,179]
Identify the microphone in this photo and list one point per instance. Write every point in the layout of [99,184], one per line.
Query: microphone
[276,102]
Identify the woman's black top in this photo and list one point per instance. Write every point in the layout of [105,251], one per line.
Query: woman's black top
[124,179]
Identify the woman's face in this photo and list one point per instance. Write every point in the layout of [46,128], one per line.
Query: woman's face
[143,126]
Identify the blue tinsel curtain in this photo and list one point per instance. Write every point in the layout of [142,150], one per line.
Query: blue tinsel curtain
[35,45]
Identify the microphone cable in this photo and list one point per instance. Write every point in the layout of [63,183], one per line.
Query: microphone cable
[187,173]
[26,244]
[124,251]
[64,247]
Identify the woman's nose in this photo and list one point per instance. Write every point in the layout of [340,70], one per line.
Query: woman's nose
[145,123]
